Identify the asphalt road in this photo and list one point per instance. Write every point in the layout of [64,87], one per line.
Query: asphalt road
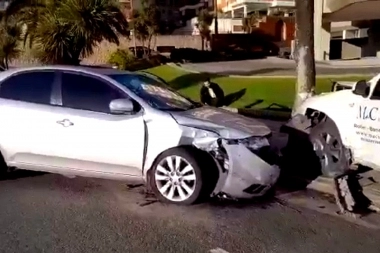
[275,67]
[51,213]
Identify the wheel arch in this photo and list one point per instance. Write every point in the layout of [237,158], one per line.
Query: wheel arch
[338,121]
[147,172]
[3,161]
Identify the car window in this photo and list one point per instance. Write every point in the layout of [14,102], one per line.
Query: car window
[155,93]
[87,93]
[33,87]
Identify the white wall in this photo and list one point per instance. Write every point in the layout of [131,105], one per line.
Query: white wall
[225,25]
[321,33]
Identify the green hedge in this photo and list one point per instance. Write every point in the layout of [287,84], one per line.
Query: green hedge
[125,60]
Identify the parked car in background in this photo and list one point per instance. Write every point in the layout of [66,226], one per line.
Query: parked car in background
[114,124]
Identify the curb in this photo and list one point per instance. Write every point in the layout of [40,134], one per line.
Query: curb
[260,113]
[325,186]
[265,114]
[263,76]
[171,64]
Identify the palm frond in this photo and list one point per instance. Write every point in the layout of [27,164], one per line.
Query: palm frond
[11,34]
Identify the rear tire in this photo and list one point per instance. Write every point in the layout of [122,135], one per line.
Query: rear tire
[179,176]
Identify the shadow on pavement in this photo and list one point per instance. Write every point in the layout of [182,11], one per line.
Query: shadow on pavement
[17,174]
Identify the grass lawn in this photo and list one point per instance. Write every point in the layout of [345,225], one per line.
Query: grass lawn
[243,92]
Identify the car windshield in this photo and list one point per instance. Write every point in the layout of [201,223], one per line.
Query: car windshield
[155,92]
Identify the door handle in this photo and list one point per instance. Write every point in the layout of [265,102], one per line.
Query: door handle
[65,122]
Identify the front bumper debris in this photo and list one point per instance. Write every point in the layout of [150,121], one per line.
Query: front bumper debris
[248,175]
[243,173]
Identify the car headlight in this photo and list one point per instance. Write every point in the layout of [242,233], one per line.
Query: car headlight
[252,143]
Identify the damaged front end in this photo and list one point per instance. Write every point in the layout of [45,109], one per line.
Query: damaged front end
[247,167]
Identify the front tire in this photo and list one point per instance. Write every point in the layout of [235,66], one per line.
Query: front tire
[177,177]
[4,170]
[329,148]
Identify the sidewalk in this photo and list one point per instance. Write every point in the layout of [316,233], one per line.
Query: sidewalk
[358,63]
[268,70]
[370,182]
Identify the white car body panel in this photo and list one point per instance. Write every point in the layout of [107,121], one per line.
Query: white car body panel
[163,133]
[101,142]
[125,146]
[357,119]
[27,132]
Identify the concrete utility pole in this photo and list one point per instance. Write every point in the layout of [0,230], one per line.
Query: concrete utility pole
[304,57]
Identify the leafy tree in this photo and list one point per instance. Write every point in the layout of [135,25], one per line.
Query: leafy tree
[250,22]
[65,31]
[145,24]
[204,22]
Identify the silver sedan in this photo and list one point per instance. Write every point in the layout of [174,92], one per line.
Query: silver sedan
[106,123]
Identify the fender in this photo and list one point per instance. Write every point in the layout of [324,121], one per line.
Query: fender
[336,105]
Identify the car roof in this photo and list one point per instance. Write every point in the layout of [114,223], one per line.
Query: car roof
[100,70]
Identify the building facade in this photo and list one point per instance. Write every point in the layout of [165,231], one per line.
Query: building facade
[241,8]
[346,29]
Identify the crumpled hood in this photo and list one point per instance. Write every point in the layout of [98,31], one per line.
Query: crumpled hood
[228,124]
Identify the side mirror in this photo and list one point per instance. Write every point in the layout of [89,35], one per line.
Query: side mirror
[121,106]
[361,88]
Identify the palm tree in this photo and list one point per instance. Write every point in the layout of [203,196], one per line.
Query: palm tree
[65,31]
[27,13]
[9,41]
[204,22]
[145,24]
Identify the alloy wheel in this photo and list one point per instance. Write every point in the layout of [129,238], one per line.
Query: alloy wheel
[329,150]
[175,178]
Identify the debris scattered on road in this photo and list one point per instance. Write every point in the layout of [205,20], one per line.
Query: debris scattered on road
[148,202]
[350,198]
[218,250]
[132,186]
[343,195]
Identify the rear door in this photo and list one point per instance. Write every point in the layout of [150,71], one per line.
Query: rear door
[27,112]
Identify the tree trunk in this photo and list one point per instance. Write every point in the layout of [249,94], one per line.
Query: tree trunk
[215,16]
[6,62]
[304,51]
[134,43]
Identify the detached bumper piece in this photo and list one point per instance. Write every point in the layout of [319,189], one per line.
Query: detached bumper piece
[248,174]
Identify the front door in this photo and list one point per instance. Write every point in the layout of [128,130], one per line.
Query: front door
[93,139]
